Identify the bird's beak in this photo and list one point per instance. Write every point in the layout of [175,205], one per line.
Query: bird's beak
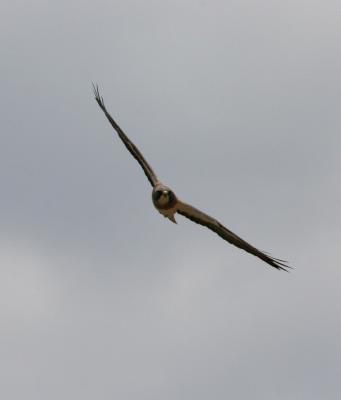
[171,218]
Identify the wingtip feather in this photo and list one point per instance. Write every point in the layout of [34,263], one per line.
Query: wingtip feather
[98,97]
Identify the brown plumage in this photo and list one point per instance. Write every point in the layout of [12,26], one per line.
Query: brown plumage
[166,202]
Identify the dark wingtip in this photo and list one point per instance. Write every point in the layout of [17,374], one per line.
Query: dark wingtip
[98,97]
[280,264]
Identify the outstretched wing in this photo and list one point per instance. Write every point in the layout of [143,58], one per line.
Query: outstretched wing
[134,151]
[201,218]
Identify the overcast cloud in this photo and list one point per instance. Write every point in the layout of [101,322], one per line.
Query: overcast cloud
[236,105]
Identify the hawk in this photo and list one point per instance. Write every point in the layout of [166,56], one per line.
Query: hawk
[167,203]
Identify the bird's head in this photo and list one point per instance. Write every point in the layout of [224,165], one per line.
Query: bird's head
[163,197]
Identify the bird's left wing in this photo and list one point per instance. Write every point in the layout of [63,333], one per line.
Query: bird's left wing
[201,218]
[134,151]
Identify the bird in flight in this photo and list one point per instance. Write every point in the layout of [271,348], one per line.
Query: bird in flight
[167,203]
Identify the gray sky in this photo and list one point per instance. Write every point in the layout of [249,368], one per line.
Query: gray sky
[236,105]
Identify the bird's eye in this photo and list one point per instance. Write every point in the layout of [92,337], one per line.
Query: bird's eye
[157,194]
[171,196]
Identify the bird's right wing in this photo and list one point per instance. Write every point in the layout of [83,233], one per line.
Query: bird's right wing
[134,151]
[201,218]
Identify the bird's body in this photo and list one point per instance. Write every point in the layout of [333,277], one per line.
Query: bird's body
[167,203]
